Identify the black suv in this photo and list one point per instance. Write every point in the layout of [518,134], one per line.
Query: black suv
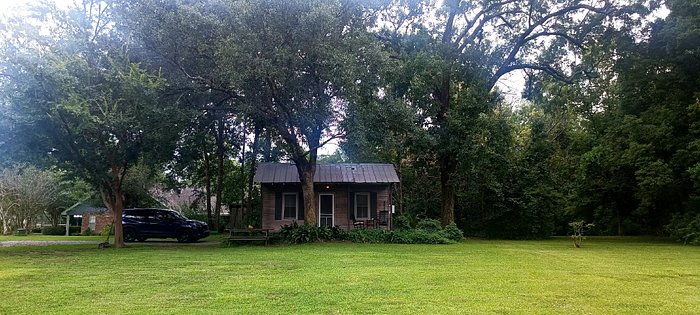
[140,224]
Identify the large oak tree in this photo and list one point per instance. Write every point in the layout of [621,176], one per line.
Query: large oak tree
[73,95]
[474,44]
[290,67]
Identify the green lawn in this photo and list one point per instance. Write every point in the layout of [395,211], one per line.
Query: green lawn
[607,276]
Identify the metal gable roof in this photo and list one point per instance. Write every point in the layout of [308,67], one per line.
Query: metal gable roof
[80,208]
[269,173]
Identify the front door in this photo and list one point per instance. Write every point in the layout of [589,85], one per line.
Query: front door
[326,207]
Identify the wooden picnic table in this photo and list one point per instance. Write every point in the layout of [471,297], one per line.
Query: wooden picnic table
[249,235]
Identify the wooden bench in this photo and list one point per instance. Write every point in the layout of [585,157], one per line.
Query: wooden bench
[248,235]
[21,232]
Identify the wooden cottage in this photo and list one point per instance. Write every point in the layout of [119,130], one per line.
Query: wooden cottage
[347,195]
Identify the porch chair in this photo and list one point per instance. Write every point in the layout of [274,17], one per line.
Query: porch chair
[357,223]
[383,218]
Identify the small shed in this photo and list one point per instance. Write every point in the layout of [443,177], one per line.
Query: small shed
[97,217]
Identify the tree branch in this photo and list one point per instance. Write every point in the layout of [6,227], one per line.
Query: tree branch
[276,101]
[568,37]
[470,24]
[336,136]
[506,65]
[546,69]
[472,35]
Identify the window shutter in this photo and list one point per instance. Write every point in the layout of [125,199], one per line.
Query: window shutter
[351,206]
[278,205]
[300,209]
[373,205]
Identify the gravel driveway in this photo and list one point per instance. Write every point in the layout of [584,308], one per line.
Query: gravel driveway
[45,243]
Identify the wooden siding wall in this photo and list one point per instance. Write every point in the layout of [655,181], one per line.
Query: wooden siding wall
[339,191]
[268,205]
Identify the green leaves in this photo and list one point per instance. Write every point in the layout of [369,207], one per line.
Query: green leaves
[88,105]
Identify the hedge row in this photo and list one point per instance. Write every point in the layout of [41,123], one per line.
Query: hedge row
[427,231]
[59,230]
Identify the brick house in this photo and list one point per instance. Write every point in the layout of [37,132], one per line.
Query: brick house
[94,218]
[96,221]
[347,195]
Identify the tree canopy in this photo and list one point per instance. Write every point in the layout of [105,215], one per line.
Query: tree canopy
[75,97]
[198,92]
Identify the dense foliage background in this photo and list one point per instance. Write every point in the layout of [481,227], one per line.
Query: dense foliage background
[145,100]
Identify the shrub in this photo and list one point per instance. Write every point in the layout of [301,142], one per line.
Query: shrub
[338,233]
[685,228]
[106,230]
[430,225]
[579,227]
[304,234]
[299,234]
[87,232]
[369,236]
[402,223]
[427,231]
[53,230]
[59,230]
[418,236]
[452,232]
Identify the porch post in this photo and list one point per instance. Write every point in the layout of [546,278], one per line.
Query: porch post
[67,224]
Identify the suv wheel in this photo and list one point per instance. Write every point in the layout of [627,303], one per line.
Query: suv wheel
[184,237]
[130,235]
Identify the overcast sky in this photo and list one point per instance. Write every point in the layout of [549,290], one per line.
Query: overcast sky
[7,6]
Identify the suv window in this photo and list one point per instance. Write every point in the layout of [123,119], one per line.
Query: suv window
[133,214]
[140,214]
[165,215]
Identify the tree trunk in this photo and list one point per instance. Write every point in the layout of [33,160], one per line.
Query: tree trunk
[253,165]
[113,198]
[5,222]
[55,218]
[207,186]
[267,151]
[620,227]
[236,220]
[219,189]
[307,170]
[446,158]
[220,150]
[400,187]
[307,188]
[240,214]
[447,190]
[117,210]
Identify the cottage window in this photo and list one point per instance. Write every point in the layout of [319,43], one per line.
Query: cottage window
[361,206]
[92,222]
[289,205]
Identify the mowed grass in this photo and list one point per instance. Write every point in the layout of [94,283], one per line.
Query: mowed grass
[606,276]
